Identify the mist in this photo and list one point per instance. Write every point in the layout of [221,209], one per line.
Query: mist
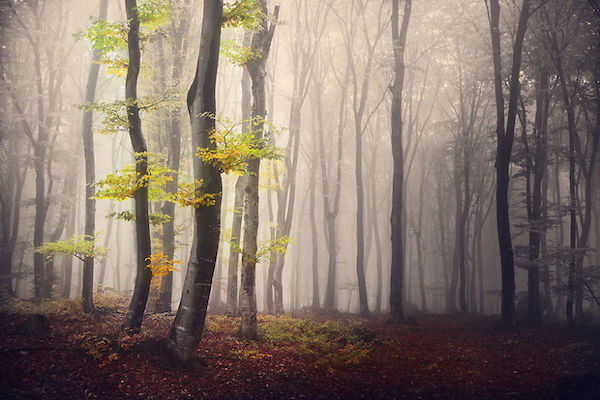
[387,160]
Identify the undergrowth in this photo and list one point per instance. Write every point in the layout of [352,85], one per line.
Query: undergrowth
[329,343]
[105,302]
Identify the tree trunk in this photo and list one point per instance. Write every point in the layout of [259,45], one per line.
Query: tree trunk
[505,139]
[135,314]
[261,44]
[68,262]
[174,125]
[90,174]
[535,229]
[181,344]
[331,211]
[397,267]
[316,302]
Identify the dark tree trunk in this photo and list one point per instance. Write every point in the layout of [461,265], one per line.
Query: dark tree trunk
[397,268]
[505,138]
[539,168]
[135,314]
[181,345]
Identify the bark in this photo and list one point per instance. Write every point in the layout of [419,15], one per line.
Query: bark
[39,151]
[419,240]
[90,174]
[233,300]
[535,216]
[331,209]
[303,55]
[10,203]
[233,263]
[397,267]
[179,50]
[181,344]
[106,244]
[49,282]
[505,138]
[316,302]
[135,313]
[261,43]
[68,263]
[578,240]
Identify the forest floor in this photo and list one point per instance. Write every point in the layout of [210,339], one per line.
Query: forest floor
[306,357]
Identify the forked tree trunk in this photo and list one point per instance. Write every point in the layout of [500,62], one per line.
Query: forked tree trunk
[505,138]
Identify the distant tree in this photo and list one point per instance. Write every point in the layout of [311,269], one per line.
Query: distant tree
[179,30]
[397,268]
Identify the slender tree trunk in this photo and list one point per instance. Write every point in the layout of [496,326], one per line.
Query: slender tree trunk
[536,229]
[135,314]
[90,174]
[419,241]
[233,262]
[261,44]
[397,268]
[68,262]
[331,210]
[102,273]
[181,344]
[316,303]
[174,125]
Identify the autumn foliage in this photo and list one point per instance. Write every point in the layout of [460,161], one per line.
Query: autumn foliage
[310,356]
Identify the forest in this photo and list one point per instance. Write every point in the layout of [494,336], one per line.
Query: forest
[314,199]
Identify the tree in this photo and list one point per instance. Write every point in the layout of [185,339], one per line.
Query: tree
[304,52]
[135,313]
[181,344]
[90,173]
[397,265]
[505,135]
[238,203]
[261,44]
[180,43]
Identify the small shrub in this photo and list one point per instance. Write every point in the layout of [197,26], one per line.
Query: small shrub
[56,306]
[331,342]
[109,302]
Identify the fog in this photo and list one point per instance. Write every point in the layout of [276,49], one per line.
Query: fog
[329,90]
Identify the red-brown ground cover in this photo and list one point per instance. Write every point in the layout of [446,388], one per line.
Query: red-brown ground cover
[345,358]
